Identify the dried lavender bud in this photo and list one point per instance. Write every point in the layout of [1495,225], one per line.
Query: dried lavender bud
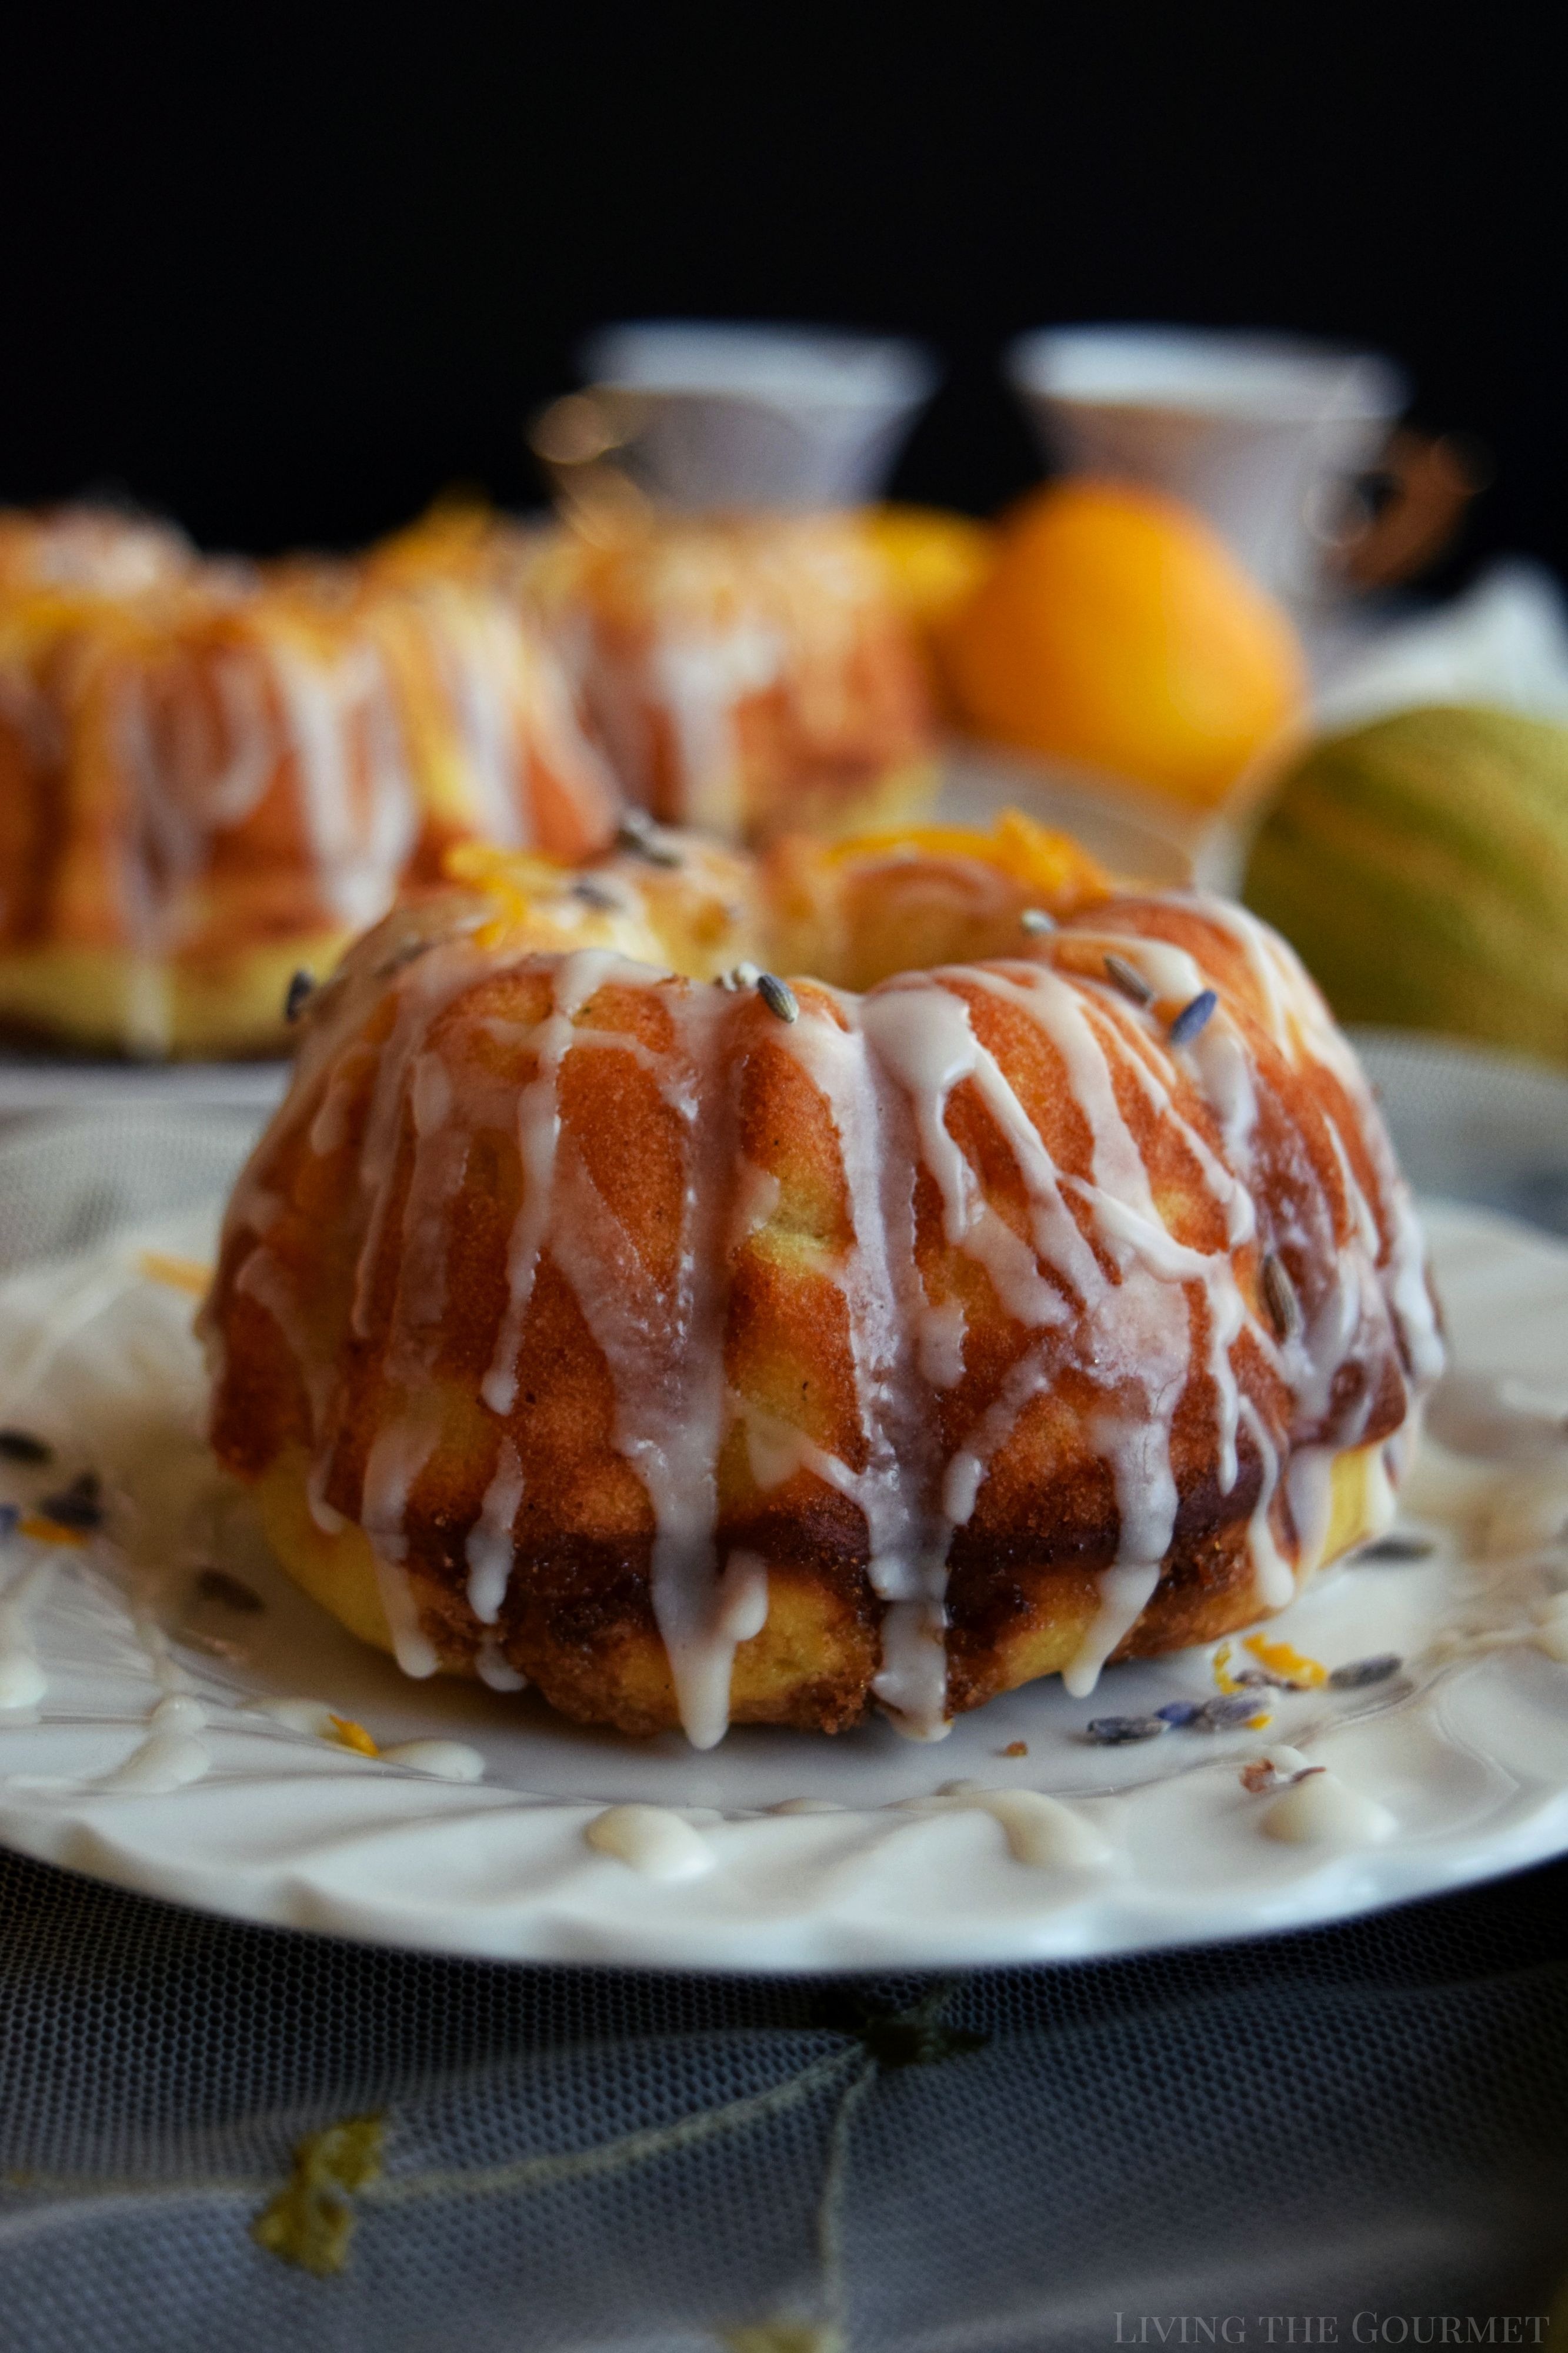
[1359,1673]
[406,953]
[1115,1731]
[9,1515]
[21,1446]
[637,833]
[77,1507]
[1178,1711]
[300,990]
[595,894]
[778,996]
[1228,1710]
[1131,982]
[1279,1296]
[1036,920]
[1192,1019]
[229,1592]
[1398,1547]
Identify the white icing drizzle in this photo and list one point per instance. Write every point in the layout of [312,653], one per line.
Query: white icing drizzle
[1041,1831]
[494,1670]
[163,1762]
[311,1715]
[1551,1636]
[1139,1329]
[1272,1573]
[1124,1594]
[538,1136]
[174,1754]
[23,1681]
[651,1839]
[886,1297]
[489,1545]
[665,1354]
[700,680]
[399,1451]
[1320,1810]
[358,861]
[736,1610]
[178,1712]
[445,1760]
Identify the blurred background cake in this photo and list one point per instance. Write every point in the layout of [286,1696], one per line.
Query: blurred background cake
[747,673]
[211,775]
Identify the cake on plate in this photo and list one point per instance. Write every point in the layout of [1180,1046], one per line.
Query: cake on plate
[1016,1287]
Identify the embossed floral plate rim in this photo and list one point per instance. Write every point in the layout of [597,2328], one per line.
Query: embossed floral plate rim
[300,1831]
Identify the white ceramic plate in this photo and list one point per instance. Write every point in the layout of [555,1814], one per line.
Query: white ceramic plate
[1464,1757]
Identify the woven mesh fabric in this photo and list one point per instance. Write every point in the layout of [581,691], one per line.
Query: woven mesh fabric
[1370,2119]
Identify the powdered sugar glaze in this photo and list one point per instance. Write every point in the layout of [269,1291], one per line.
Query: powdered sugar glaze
[1042,1205]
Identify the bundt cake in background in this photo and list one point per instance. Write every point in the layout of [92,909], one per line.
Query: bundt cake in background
[703,1348]
[748,674]
[104,549]
[211,775]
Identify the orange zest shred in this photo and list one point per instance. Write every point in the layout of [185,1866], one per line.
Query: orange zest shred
[1052,863]
[1256,1723]
[49,1532]
[510,879]
[1282,1660]
[350,1735]
[1222,1677]
[178,1273]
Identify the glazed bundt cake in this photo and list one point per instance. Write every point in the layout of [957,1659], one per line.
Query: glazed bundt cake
[105,549]
[708,1349]
[749,674]
[212,775]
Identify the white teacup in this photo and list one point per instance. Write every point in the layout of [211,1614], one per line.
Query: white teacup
[1262,432]
[759,416]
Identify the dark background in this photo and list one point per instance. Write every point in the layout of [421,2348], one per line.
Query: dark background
[288,275]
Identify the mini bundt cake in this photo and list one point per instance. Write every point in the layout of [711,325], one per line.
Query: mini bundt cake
[211,775]
[101,549]
[750,674]
[703,1348]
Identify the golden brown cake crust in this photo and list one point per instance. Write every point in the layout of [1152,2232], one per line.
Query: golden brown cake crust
[748,673]
[212,774]
[566,1298]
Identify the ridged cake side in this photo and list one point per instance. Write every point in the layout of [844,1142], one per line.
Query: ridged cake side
[585,1323]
